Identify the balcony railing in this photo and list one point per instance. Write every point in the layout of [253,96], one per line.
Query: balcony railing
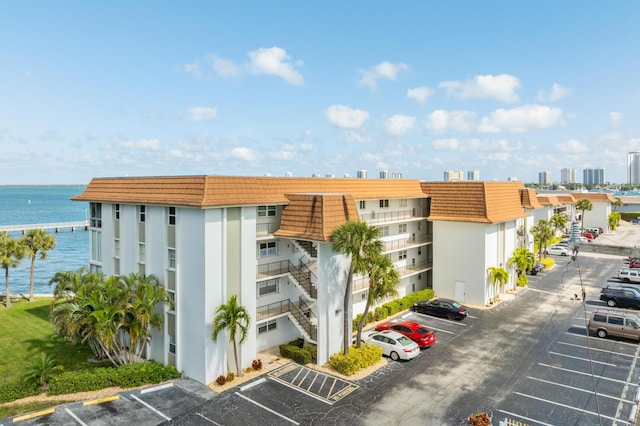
[363,282]
[300,313]
[266,229]
[392,216]
[304,277]
[272,310]
[407,242]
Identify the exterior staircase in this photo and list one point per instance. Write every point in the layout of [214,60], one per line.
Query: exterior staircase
[307,247]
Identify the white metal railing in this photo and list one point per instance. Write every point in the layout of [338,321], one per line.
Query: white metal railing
[57,226]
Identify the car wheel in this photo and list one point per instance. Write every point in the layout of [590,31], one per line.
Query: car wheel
[451,316]
[563,254]
[394,356]
[602,333]
[627,280]
[611,303]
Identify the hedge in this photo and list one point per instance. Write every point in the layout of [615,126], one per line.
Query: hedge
[10,390]
[394,306]
[125,376]
[357,359]
[297,351]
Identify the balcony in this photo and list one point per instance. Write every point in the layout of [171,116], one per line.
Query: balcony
[300,313]
[303,276]
[393,216]
[363,282]
[407,242]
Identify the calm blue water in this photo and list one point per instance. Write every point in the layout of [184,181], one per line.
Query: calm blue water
[45,204]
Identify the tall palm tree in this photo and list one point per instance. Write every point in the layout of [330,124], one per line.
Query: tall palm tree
[542,233]
[617,203]
[523,260]
[583,205]
[383,279]
[11,253]
[498,277]
[37,241]
[558,221]
[234,318]
[359,242]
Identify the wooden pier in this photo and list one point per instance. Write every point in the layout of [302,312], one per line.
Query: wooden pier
[57,227]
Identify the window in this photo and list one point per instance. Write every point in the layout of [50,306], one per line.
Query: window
[96,246]
[362,204]
[264,211]
[419,251]
[384,231]
[384,204]
[116,211]
[402,254]
[600,318]
[172,344]
[172,298]
[171,261]
[402,228]
[142,210]
[364,296]
[268,287]
[403,202]
[116,248]
[96,215]
[141,252]
[269,249]
[615,320]
[267,326]
[631,323]
[419,277]
[172,216]
[419,226]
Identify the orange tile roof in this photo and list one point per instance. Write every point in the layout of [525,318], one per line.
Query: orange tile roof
[529,199]
[217,191]
[548,200]
[315,216]
[566,199]
[474,201]
[598,197]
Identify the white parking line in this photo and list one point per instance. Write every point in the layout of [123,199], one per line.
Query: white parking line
[76,418]
[441,319]
[626,387]
[582,359]
[570,407]
[441,330]
[151,408]
[208,419]
[268,409]
[156,388]
[586,374]
[617,342]
[598,350]
[529,419]
[579,389]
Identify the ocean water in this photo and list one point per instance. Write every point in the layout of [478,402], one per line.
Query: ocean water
[45,204]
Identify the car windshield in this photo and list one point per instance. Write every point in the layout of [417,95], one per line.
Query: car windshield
[404,341]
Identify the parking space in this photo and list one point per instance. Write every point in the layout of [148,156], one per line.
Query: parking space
[325,387]
[445,329]
[581,379]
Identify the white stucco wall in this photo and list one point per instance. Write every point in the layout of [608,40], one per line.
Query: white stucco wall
[597,217]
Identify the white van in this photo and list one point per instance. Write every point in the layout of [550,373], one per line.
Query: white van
[629,275]
[605,322]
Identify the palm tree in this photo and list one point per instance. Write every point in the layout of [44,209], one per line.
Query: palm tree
[523,260]
[498,277]
[11,252]
[583,205]
[383,279]
[233,318]
[360,242]
[558,221]
[542,233]
[41,370]
[617,203]
[613,219]
[37,241]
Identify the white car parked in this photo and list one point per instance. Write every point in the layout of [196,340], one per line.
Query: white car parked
[557,251]
[393,344]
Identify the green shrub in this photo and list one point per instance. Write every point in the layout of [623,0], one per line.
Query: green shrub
[10,390]
[296,353]
[313,350]
[357,359]
[522,281]
[125,376]
[381,313]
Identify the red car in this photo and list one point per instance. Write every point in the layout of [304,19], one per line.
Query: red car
[414,331]
[588,235]
[634,263]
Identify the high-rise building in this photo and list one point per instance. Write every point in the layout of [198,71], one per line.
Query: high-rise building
[473,175]
[544,178]
[512,178]
[453,175]
[362,174]
[633,167]
[593,176]
[567,176]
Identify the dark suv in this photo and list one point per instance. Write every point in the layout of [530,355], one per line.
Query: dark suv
[623,297]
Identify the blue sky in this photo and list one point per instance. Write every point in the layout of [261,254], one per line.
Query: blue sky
[147,88]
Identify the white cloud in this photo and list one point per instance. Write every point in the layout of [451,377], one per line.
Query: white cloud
[420,94]
[385,70]
[556,93]
[346,117]
[275,61]
[146,144]
[521,119]
[202,113]
[224,68]
[501,87]
[354,136]
[442,121]
[573,146]
[450,144]
[398,125]
[614,134]
[306,147]
[242,153]
[193,69]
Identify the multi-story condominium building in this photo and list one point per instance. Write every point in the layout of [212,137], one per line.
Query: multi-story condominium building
[473,175]
[567,176]
[544,178]
[593,176]
[266,240]
[453,175]
[633,168]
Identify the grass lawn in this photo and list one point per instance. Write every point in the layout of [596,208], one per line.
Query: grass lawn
[25,332]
